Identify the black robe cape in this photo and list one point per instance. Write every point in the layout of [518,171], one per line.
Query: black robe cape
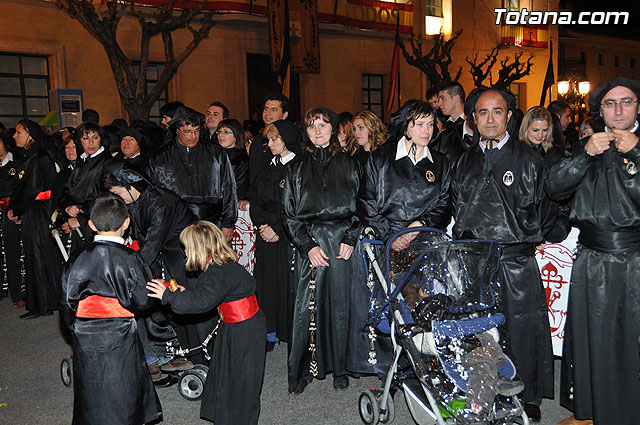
[272,258]
[393,194]
[232,389]
[202,176]
[450,142]
[111,380]
[10,266]
[320,210]
[240,165]
[600,361]
[36,175]
[509,206]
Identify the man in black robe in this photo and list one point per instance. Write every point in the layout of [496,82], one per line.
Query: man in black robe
[497,191]
[450,141]
[199,173]
[600,361]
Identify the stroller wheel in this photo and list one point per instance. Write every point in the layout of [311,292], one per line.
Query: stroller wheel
[201,367]
[66,372]
[390,415]
[191,385]
[369,410]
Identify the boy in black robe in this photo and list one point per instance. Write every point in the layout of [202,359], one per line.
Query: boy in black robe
[103,286]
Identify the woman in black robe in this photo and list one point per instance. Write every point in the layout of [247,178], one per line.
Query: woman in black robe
[31,206]
[84,183]
[405,185]
[131,149]
[319,213]
[272,243]
[233,139]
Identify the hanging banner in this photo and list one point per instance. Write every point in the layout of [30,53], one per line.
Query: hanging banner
[302,25]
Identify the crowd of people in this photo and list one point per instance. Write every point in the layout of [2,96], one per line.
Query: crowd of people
[311,187]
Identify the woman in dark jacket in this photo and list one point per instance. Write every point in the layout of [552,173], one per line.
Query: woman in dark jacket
[31,206]
[368,134]
[319,214]
[233,139]
[272,243]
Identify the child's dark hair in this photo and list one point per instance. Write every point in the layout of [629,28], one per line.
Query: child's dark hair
[108,212]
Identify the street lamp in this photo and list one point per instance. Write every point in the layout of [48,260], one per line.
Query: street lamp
[584,87]
[563,87]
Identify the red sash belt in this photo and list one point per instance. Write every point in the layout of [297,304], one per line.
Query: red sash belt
[99,307]
[4,203]
[42,196]
[239,310]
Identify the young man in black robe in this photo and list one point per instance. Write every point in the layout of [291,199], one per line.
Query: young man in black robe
[497,191]
[199,173]
[104,286]
[451,140]
[600,361]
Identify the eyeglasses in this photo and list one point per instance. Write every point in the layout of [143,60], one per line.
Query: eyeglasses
[224,132]
[190,132]
[625,103]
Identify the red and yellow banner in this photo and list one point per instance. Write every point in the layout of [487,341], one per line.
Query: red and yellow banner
[525,35]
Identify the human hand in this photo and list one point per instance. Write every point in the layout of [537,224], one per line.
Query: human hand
[156,288]
[400,243]
[73,210]
[318,257]
[625,140]
[268,234]
[598,143]
[345,251]
[228,233]
[73,223]
[65,227]
[243,204]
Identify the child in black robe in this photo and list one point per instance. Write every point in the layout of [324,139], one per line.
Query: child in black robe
[103,286]
[232,389]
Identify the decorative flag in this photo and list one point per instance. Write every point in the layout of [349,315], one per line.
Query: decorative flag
[395,70]
[549,79]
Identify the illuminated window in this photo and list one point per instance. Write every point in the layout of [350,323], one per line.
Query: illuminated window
[512,5]
[24,88]
[433,8]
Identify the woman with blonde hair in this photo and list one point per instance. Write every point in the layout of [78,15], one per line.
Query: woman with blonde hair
[367,134]
[232,389]
[536,131]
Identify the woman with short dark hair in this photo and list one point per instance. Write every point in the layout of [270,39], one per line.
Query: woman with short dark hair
[233,139]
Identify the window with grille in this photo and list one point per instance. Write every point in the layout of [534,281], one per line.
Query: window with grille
[512,5]
[433,8]
[24,87]
[154,69]
[372,93]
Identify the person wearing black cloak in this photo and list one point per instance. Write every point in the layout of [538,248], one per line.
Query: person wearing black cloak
[84,182]
[157,218]
[272,242]
[497,190]
[199,173]
[451,141]
[132,145]
[319,199]
[600,361]
[10,237]
[31,206]
[405,184]
[103,288]
[233,139]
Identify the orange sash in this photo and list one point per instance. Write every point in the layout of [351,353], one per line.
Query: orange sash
[239,310]
[42,196]
[99,307]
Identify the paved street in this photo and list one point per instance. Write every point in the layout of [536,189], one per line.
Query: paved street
[30,385]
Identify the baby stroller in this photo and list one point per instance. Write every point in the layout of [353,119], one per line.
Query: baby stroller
[437,300]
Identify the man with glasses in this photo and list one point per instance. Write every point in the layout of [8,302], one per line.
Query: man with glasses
[199,173]
[600,360]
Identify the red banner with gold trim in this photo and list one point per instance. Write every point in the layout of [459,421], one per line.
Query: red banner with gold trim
[525,35]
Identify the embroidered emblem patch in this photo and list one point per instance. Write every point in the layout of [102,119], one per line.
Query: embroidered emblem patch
[21,175]
[631,168]
[430,176]
[12,171]
[507,179]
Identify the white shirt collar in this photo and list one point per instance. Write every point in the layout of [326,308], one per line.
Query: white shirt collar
[456,118]
[633,130]
[284,159]
[499,145]
[116,239]
[98,152]
[465,131]
[402,151]
[7,159]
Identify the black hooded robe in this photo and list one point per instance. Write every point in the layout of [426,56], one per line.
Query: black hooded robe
[11,237]
[320,210]
[509,206]
[31,203]
[111,381]
[394,194]
[600,361]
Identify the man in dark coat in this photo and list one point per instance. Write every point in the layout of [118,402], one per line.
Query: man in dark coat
[451,140]
[199,173]
[497,191]
[600,361]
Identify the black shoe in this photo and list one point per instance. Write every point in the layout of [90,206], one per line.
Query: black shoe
[341,382]
[301,386]
[533,412]
[271,346]
[29,315]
